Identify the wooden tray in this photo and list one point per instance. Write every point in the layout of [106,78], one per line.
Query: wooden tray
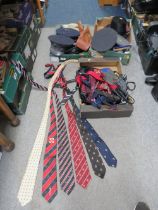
[88,111]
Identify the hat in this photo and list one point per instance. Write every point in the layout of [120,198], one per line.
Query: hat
[60,44]
[69,32]
[119,24]
[104,39]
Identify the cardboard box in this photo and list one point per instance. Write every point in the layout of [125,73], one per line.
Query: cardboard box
[116,111]
[113,64]
[105,21]
[108,2]
[123,56]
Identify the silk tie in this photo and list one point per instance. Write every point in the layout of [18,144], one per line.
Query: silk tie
[83,176]
[103,148]
[66,175]
[26,189]
[93,153]
[49,183]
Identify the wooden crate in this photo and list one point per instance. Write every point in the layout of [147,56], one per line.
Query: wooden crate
[108,2]
[116,111]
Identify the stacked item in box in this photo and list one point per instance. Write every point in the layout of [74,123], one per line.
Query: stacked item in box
[145,27]
[135,7]
[122,43]
[16,89]
[7,38]
[104,89]
[111,38]
[145,6]
[20,30]
[14,26]
[16,15]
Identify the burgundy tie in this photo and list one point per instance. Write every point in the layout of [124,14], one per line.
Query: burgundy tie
[49,183]
[83,176]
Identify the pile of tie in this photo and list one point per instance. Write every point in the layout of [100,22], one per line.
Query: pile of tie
[103,87]
[65,147]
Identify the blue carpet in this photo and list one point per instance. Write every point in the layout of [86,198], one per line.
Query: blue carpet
[68,11]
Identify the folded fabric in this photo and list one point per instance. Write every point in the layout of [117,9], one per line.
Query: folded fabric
[121,41]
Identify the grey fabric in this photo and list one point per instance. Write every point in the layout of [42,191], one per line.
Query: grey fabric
[122,41]
[142,206]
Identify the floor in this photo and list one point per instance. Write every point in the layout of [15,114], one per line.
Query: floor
[133,140]
[67,11]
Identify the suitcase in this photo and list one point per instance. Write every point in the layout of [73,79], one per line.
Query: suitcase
[149,60]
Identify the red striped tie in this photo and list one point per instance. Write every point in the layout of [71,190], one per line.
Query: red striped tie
[83,176]
[49,183]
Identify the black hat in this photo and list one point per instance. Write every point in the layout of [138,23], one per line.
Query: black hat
[119,24]
[60,44]
[104,39]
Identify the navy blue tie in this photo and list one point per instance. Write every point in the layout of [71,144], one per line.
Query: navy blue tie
[100,144]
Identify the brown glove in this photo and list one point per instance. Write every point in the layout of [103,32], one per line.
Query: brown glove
[84,40]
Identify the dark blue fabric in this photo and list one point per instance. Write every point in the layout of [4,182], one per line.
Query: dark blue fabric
[101,145]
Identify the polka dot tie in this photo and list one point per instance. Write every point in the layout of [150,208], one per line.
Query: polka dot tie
[100,144]
[93,153]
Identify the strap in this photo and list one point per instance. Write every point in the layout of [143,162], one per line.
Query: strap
[23,71]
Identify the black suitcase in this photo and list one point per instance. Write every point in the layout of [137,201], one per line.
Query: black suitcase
[154,92]
[149,60]
[148,49]
[146,6]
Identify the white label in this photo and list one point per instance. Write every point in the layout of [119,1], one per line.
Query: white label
[33,57]
[32,25]
[27,51]
[15,75]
